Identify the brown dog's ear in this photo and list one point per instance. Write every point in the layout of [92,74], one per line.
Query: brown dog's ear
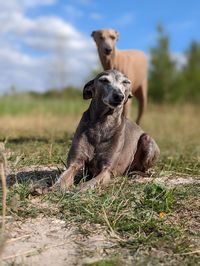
[88,90]
[117,34]
[93,33]
[130,95]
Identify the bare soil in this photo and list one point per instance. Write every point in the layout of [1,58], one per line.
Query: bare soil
[49,241]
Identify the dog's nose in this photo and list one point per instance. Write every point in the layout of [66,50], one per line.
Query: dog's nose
[118,96]
[108,50]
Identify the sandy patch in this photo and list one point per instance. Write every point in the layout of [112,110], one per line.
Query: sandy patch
[48,241]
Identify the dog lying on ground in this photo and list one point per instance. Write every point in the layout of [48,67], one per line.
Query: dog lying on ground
[132,63]
[106,143]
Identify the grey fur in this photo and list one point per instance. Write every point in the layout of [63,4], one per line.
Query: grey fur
[106,142]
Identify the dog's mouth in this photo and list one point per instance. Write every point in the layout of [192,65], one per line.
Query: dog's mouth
[113,104]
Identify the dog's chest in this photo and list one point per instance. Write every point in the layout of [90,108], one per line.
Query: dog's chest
[100,133]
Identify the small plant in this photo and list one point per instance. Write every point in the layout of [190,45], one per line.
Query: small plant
[158,197]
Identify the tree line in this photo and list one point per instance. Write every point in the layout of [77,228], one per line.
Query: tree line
[170,81]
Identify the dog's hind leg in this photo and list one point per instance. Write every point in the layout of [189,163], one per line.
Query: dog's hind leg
[141,96]
[127,109]
[146,156]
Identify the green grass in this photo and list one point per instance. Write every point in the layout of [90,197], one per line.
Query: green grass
[105,263]
[27,104]
[151,223]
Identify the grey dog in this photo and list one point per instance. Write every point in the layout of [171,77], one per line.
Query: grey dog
[106,143]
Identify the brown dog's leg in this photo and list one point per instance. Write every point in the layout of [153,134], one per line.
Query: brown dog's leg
[67,178]
[127,109]
[141,96]
[101,179]
[146,156]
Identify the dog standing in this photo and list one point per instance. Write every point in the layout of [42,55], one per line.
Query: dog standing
[106,143]
[132,63]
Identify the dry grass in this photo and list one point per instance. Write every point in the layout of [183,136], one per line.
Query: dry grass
[177,125]
[37,125]
[169,124]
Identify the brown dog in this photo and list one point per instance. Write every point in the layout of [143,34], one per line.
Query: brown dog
[132,63]
[106,143]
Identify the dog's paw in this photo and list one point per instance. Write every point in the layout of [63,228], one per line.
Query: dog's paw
[55,187]
[89,185]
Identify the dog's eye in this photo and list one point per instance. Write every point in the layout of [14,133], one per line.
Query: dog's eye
[112,37]
[126,81]
[104,80]
[101,38]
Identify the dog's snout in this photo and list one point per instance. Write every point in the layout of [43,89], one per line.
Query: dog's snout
[118,96]
[108,50]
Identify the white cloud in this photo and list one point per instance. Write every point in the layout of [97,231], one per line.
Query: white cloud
[20,70]
[21,5]
[41,52]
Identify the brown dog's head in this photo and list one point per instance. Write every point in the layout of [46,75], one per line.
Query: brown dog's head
[111,87]
[105,40]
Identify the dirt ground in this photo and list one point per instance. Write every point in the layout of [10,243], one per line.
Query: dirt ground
[49,241]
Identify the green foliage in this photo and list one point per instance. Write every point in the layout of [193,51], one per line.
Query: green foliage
[191,73]
[162,69]
[113,262]
[168,81]
[158,197]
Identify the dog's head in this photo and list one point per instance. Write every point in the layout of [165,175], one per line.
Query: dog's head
[110,87]
[105,40]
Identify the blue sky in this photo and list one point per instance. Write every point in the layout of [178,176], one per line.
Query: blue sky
[136,20]
[47,43]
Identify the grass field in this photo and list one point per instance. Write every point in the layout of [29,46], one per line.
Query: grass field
[151,223]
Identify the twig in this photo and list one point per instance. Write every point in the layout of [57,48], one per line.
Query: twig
[190,252]
[110,227]
[63,163]
[16,239]
[3,179]
[4,189]
[32,251]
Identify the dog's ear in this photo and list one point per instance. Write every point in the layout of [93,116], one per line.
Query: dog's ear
[117,34]
[88,90]
[130,95]
[93,33]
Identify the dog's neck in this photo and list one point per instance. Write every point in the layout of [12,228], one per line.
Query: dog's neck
[101,113]
[108,61]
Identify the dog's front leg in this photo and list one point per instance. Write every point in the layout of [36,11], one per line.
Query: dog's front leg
[101,179]
[67,178]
